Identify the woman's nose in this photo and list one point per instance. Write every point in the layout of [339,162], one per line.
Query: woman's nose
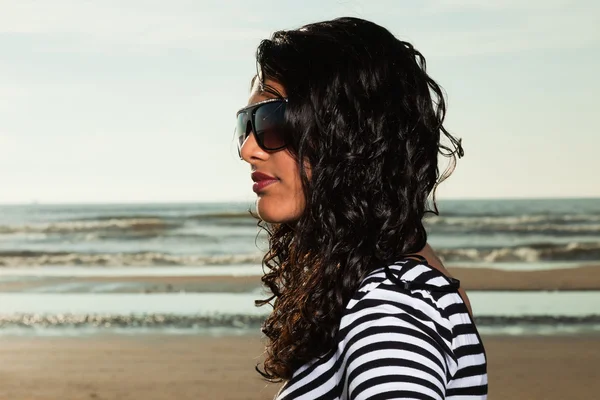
[251,150]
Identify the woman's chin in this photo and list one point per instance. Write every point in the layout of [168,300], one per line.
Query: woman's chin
[274,212]
[268,214]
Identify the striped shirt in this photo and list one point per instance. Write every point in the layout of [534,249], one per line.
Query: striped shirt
[406,334]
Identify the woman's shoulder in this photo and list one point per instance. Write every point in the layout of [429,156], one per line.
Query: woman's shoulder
[409,290]
[405,307]
[409,278]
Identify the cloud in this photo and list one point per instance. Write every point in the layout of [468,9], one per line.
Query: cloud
[495,5]
[511,26]
[445,27]
[177,23]
[536,33]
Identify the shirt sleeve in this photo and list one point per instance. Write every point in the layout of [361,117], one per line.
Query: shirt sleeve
[394,357]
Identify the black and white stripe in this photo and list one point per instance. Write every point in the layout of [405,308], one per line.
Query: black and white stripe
[398,342]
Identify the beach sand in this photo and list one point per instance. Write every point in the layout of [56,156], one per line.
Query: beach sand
[161,367]
[581,278]
[199,367]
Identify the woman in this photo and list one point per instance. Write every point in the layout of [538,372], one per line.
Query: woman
[342,133]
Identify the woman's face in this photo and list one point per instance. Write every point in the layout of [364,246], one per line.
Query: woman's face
[281,200]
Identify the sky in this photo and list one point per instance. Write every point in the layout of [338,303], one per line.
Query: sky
[125,101]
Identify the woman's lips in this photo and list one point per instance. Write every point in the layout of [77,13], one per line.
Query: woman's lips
[260,185]
[261,181]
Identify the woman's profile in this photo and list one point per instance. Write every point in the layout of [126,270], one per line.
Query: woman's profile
[342,132]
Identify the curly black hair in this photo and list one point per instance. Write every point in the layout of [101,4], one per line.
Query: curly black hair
[367,119]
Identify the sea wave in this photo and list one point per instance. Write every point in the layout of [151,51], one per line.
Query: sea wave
[37,321]
[133,320]
[223,215]
[156,224]
[574,251]
[83,226]
[514,219]
[133,224]
[18,258]
[538,252]
[170,216]
[565,225]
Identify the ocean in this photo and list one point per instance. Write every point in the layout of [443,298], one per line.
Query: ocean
[71,269]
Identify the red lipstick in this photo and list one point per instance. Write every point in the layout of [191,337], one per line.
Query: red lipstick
[261,181]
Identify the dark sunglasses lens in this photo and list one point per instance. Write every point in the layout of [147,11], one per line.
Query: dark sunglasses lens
[268,122]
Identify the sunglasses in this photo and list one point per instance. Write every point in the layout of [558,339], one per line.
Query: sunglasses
[264,119]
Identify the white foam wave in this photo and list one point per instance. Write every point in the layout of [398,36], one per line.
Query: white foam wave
[568,224]
[125,259]
[87,226]
[532,253]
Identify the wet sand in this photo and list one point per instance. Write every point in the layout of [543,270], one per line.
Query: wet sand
[196,367]
[582,278]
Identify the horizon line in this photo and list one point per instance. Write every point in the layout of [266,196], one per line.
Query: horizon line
[239,201]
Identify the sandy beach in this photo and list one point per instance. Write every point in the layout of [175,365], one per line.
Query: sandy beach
[160,367]
[580,278]
[586,277]
[196,367]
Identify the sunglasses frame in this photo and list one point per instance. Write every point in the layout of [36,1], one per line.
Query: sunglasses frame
[250,111]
